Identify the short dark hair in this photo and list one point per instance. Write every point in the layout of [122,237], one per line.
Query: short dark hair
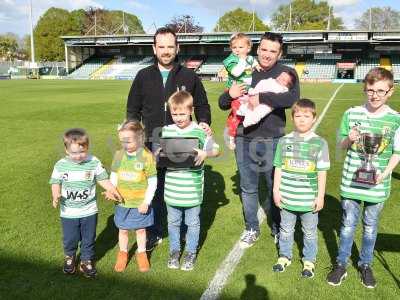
[304,103]
[165,30]
[76,136]
[272,36]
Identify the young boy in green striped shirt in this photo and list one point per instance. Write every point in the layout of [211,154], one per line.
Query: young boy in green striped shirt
[73,181]
[183,190]
[374,117]
[301,162]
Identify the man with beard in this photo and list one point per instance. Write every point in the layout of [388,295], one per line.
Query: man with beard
[147,99]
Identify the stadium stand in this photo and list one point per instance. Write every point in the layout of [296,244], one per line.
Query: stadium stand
[325,55]
[98,74]
[211,66]
[131,66]
[364,66]
[122,68]
[88,68]
[288,62]
[323,69]
[299,67]
[396,67]
[385,62]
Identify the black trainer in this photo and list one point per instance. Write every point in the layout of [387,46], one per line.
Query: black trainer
[153,241]
[367,277]
[337,275]
[88,269]
[69,265]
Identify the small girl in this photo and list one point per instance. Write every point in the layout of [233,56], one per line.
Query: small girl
[134,173]
[239,66]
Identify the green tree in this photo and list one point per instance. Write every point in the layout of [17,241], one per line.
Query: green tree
[79,18]
[54,23]
[131,22]
[8,46]
[382,18]
[26,46]
[184,23]
[111,22]
[240,20]
[306,15]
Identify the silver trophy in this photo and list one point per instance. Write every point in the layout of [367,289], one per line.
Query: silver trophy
[369,144]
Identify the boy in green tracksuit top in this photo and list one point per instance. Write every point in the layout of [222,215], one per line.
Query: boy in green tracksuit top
[374,117]
[301,162]
[183,190]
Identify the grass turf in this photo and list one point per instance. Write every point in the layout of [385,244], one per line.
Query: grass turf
[34,115]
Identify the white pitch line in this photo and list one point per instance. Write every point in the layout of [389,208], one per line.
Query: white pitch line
[326,108]
[233,258]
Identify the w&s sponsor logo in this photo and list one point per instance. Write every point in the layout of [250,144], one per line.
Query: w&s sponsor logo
[78,195]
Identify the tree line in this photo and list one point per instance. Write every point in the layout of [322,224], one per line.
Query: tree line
[299,15]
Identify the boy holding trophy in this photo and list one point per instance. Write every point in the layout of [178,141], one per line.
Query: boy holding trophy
[370,133]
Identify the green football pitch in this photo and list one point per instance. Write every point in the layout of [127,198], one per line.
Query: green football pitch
[34,115]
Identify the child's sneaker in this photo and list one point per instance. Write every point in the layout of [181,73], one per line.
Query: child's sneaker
[122,260]
[337,275]
[248,238]
[88,269]
[367,277]
[173,260]
[281,264]
[142,261]
[308,269]
[188,261]
[69,265]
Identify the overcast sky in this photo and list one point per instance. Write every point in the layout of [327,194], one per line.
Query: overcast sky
[14,14]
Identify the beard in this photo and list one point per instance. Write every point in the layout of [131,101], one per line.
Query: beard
[166,60]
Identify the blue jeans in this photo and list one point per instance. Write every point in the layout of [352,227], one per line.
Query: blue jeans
[253,158]
[351,212]
[81,230]
[192,221]
[309,224]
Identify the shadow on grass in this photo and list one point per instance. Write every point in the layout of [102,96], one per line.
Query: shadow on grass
[236,182]
[214,198]
[107,239]
[252,290]
[329,224]
[386,242]
[396,175]
[28,279]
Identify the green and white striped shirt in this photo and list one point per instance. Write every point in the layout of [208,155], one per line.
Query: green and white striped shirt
[245,65]
[78,186]
[300,159]
[185,187]
[386,123]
